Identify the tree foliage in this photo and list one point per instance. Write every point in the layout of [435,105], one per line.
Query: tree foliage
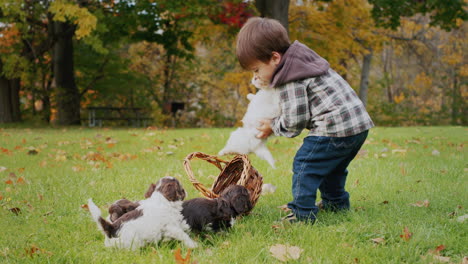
[149,53]
[443,13]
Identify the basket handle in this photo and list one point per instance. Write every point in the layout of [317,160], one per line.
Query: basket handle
[245,172]
[219,163]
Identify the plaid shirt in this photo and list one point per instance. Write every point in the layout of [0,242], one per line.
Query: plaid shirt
[326,105]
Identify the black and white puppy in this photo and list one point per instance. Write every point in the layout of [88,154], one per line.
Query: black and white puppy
[218,213]
[154,219]
[166,186]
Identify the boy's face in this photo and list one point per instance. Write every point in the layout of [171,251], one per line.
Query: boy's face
[263,72]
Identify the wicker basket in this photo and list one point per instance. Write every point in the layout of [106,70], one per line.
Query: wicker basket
[237,171]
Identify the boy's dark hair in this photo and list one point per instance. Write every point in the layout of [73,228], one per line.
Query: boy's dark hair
[258,38]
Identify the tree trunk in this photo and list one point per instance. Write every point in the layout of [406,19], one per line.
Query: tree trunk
[67,95]
[387,71]
[456,96]
[9,99]
[364,86]
[276,9]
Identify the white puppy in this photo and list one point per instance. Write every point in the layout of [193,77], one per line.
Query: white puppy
[263,105]
[154,219]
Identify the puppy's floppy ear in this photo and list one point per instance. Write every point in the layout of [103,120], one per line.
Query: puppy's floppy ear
[224,209]
[172,190]
[150,190]
[241,203]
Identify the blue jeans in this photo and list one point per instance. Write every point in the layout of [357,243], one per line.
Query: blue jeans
[321,163]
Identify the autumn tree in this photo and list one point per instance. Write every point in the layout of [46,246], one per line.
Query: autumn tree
[9,79]
[442,13]
[341,31]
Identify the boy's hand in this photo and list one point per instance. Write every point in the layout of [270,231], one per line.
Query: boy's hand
[264,128]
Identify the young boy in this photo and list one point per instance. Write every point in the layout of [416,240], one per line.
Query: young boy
[313,97]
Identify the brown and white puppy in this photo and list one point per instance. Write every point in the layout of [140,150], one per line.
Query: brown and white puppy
[167,186]
[219,213]
[155,218]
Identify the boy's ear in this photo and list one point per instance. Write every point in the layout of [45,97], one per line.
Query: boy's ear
[276,57]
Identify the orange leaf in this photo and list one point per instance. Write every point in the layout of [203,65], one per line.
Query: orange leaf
[9,182]
[85,206]
[179,259]
[436,251]
[21,180]
[110,145]
[1,197]
[33,250]
[4,150]
[406,234]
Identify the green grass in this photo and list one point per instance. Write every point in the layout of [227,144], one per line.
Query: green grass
[397,167]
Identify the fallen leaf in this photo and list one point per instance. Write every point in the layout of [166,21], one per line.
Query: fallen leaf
[111,141]
[9,181]
[4,252]
[424,203]
[5,151]
[439,248]
[33,152]
[21,180]
[462,218]
[406,234]
[441,258]
[77,168]
[85,206]
[48,213]
[398,151]
[378,240]
[32,250]
[285,252]
[276,227]
[36,250]
[60,158]
[363,153]
[356,183]
[284,208]
[179,259]
[15,210]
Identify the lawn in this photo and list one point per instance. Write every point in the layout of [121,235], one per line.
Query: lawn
[408,191]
